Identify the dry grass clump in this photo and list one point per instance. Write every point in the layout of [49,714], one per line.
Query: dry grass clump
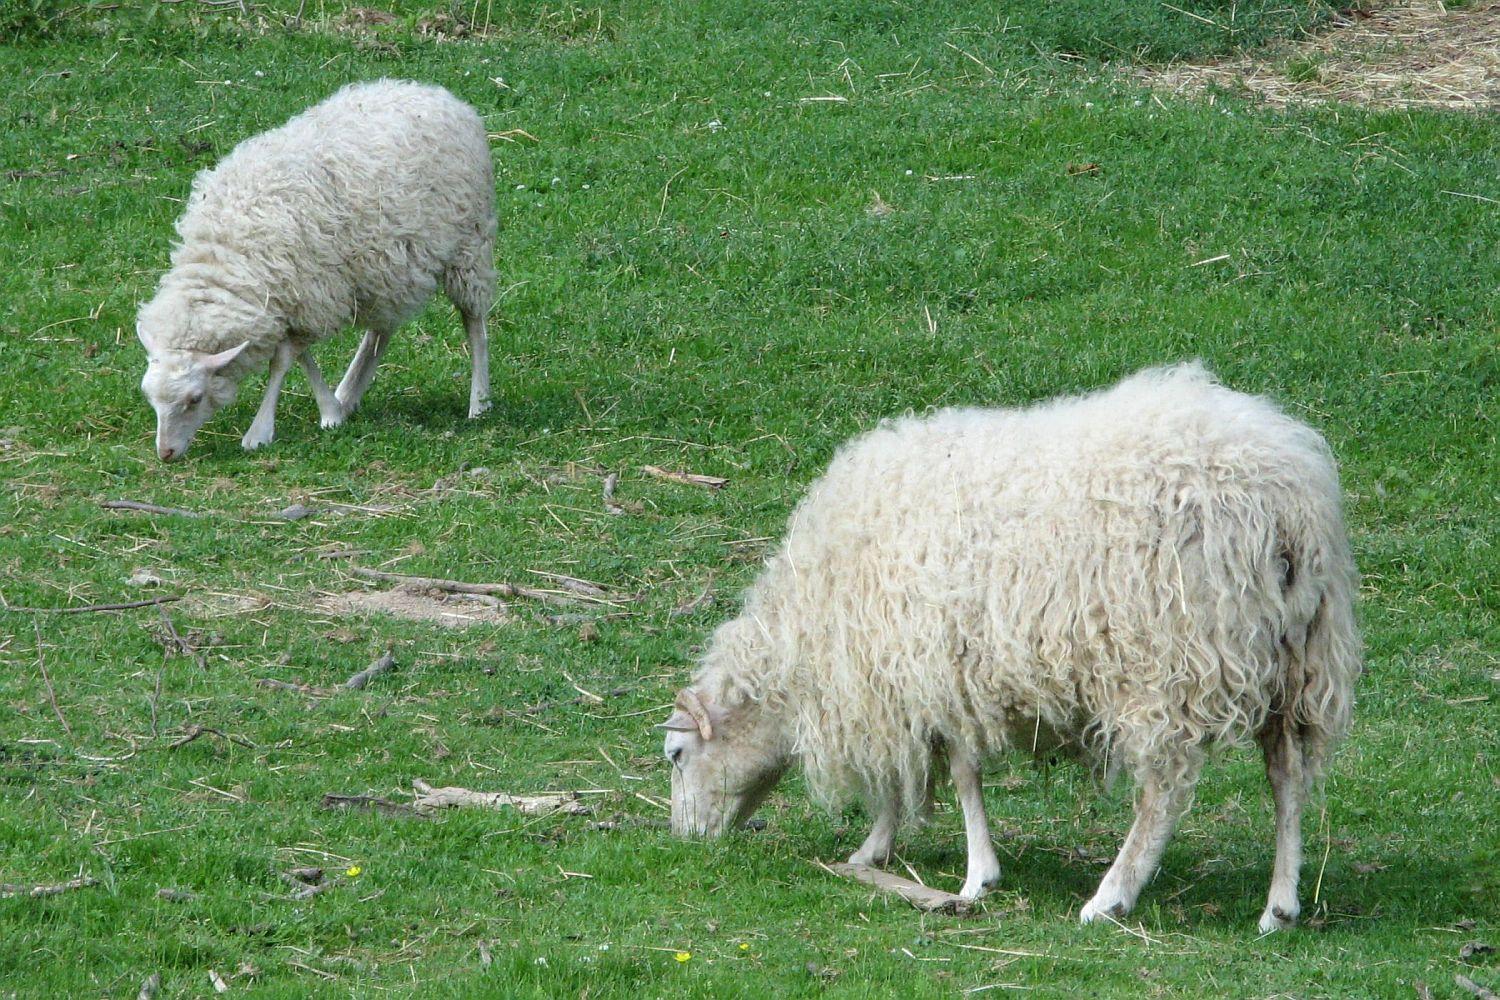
[1414,54]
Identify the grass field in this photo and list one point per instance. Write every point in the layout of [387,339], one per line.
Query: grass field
[708,265]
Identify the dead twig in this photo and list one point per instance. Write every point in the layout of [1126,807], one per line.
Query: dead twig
[1479,991]
[41,661]
[702,600]
[688,478]
[194,732]
[332,800]
[148,508]
[923,897]
[531,805]
[177,895]
[38,891]
[175,641]
[489,589]
[80,609]
[307,689]
[383,665]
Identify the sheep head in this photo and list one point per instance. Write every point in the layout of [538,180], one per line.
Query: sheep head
[185,387]
[725,760]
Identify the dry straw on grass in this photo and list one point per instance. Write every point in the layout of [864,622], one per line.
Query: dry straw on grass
[1419,54]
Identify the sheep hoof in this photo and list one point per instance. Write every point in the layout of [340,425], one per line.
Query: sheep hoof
[331,420]
[254,439]
[974,888]
[1277,918]
[478,409]
[1096,908]
[872,859]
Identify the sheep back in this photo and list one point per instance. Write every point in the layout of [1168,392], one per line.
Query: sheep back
[350,212]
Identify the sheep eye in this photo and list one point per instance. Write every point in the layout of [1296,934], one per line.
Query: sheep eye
[195,399]
[675,756]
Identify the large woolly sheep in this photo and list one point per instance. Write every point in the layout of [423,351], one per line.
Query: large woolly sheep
[352,212]
[1136,575]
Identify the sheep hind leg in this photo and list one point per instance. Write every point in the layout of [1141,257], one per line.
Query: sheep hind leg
[880,844]
[984,867]
[1282,747]
[1160,803]
[361,370]
[263,428]
[330,410]
[479,354]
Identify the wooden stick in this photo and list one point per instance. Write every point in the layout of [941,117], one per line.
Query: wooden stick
[532,805]
[332,800]
[183,646]
[148,508]
[41,661]
[38,891]
[307,689]
[1474,988]
[80,609]
[689,478]
[491,589]
[383,665]
[923,897]
[196,731]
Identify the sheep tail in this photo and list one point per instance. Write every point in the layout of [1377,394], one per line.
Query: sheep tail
[1321,649]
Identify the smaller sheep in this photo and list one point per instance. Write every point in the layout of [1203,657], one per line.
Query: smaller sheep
[1134,576]
[355,211]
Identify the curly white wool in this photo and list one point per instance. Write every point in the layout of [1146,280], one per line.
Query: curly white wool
[1139,566]
[354,211]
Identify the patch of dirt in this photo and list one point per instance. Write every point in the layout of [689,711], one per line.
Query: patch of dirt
[1418,54]
[448,610]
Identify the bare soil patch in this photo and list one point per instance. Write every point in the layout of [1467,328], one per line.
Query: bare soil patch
[1419,54]
[448,610]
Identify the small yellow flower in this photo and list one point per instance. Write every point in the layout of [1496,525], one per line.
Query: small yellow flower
[744,946]
[353,871]
[683,956]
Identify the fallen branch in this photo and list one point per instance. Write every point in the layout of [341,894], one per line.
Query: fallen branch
[488,589]
[177,895]
[194,732]
[688,478]
[38,891]
[378,804]
[384,665]
[532,805]
[41,661]
[124,606]
[923,897]
[1474,988]
[148,508]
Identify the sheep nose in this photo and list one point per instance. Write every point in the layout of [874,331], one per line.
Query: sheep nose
[167,454]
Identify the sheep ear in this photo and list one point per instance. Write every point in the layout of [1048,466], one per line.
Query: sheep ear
[680,722]
[696,707]
[145,339]
[214,362]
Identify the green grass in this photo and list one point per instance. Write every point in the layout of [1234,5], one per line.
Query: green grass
[694,279]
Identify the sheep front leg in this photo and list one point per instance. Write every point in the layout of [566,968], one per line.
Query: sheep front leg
[330,410]
[880,844]
[1160,803]
[984,867]
[362,369]
[1283,752]
[479,354]
[263,427]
